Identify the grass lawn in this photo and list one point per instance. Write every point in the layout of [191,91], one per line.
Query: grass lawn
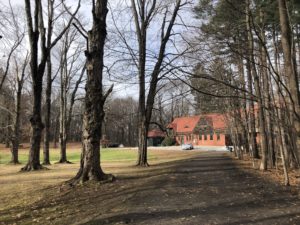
[73,154]
[22,189]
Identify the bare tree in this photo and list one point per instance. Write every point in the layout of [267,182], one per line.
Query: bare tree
[51,75]
[46,160]
[36,34]
[15,139]
[123,110]
[257,84]
[12,78]
[90,168]
[291,71]
[143,13]
[69,67]
[14,35]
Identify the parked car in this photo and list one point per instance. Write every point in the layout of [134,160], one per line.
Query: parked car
[229,148]
[113,145]
[187,147]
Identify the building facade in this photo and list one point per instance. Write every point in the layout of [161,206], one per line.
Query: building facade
[201,130]
[155,137]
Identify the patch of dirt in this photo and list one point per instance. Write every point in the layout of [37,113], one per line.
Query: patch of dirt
[199,188]
[274,174]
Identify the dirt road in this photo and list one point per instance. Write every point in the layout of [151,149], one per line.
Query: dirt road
[209,188]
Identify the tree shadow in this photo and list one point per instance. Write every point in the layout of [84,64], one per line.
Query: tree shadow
[202,190]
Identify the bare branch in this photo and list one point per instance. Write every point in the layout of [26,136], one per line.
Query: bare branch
[107,93]
[66,27]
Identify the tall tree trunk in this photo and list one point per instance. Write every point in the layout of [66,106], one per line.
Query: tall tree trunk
[262,120]
[279,94]
[47,133]
[261,113]
[253,141]
[17,118]
[90,168]
[65,114]
[63,110]
[72,102]
[37,71]
[291,71]
[56,131]
[46,154]
[244,114]
[16,131]
[283,159]
[237,143]
[142,132]
[36,128]
[142,19]
[265,78]
[37,35]
[298,41]
[281,137]
[142,41]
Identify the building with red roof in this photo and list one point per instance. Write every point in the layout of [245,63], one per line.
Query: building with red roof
[155,137]
[201,130]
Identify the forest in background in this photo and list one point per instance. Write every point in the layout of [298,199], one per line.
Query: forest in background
[65,73]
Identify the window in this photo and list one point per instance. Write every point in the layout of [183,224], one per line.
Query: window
[211,136]
[205,137]
[200,137]
[218,137]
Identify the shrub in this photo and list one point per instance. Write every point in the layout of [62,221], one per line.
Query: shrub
[168,141]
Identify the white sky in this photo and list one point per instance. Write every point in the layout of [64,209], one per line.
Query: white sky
[127,87]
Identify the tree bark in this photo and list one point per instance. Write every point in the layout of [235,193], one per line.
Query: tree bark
[142,154]
[17,117]
[56,131]
[141,30]
[46,154]
[244,113]
[291,71]
[261,113]
[16,131]
[37,126]
[90,168]
[37,72]
[63,108]
[253,141]
[266,99]
[47,133]
[262,119]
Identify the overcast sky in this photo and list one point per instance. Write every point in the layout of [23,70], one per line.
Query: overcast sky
[127,85]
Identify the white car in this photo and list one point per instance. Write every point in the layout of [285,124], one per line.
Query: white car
[187,147]
[230,148]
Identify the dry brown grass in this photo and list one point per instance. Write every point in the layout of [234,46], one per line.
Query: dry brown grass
[19,189]
[274,174]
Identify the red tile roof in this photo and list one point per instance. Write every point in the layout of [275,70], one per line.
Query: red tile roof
[184,124]
[156,133]
[218,120]
[188,124]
